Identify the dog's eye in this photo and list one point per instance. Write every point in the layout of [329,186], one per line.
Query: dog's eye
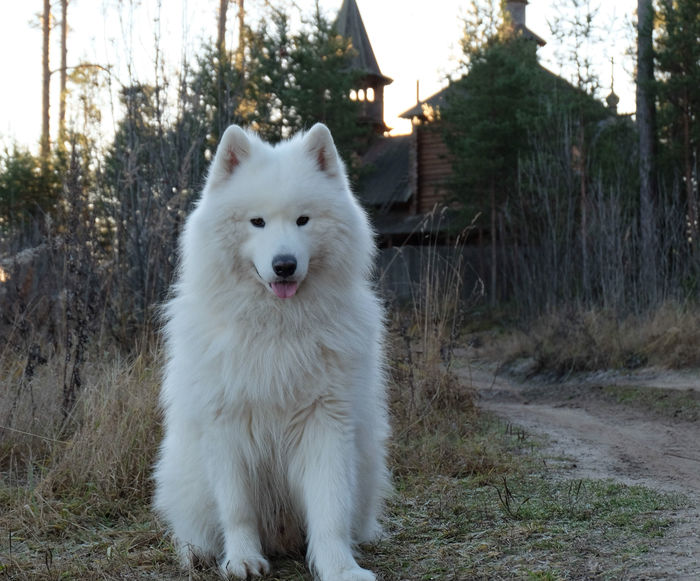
[257,222]
[302,220]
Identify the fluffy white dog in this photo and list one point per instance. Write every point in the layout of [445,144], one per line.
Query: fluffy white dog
[274,389]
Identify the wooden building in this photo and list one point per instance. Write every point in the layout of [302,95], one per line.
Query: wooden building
[370,90]
[405,180]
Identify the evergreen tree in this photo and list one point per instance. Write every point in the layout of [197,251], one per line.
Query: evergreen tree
[501,110]
[286,82]
[677,54]
[296,80]
[220,87]
[487,118]
[269,104]
[488,115]
[321,66]
[29,190]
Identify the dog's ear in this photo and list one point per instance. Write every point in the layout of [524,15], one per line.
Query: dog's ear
[234,149]
[319,144]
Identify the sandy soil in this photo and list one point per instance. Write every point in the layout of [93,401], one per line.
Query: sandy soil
[596,439]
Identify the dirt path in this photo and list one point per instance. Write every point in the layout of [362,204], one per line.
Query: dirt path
[597,438]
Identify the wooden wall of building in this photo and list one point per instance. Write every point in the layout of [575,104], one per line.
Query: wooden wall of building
[434,168]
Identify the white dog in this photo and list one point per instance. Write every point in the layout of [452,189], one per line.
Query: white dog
[274,389]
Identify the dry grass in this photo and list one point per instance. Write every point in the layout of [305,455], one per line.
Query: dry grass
[109,457]
[437,427]
[584,340]
[101,454]
[471,500]
[74,493]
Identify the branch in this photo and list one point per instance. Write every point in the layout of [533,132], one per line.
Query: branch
[83,66]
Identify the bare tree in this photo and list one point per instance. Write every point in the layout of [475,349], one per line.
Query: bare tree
[46,80]
[647,130]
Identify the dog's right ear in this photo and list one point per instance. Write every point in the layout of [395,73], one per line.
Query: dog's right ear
[234,149]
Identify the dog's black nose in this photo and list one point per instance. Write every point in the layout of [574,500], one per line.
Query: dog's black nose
[284,265]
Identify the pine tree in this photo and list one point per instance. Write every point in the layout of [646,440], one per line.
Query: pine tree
[320,64]
[63,74]
[677,54]
[29,188]
[297,79]
[646,123]
[486,122]
[46,80]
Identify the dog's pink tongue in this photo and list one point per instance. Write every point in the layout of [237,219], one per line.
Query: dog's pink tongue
[284,290]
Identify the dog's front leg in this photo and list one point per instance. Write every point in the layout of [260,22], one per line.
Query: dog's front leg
[228,474]
[323,470]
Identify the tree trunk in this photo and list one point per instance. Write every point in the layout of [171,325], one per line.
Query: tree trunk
[647,130]
[494,249]
[687,114]
[241,36]
[585,279]
[64,74]
[221,38]
[45,143]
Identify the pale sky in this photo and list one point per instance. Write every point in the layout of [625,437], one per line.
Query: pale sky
[413,40]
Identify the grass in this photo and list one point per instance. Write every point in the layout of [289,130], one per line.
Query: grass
[448,528]
[573,340]
[669,403]
[474,498]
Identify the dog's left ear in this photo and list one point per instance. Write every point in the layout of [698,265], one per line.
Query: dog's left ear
[318,142]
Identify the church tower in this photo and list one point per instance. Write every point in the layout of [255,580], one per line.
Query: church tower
[517,10]
[370,90]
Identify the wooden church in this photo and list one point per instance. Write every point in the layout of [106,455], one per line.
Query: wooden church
[370,91]
[405,181]
[407,177]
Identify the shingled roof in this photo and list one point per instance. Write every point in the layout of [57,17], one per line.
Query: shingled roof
[387,180]
[434,102]
[349,24]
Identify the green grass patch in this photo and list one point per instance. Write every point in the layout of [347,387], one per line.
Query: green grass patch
[520,526]
[670,403]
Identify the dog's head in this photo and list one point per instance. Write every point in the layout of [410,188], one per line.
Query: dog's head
[282,214]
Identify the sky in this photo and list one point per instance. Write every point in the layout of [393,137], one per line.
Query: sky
[414,42]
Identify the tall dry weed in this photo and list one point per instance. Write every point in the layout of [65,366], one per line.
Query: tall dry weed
[97,462]
[110,454]
[433,410]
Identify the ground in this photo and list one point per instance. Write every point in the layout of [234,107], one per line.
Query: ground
[548,478]
[637,428]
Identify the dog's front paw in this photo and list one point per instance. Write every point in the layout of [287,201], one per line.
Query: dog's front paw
[241,566]
[355,574]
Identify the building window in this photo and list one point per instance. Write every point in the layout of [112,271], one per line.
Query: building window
[370,95]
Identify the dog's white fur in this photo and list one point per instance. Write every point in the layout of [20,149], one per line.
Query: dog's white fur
[275,411]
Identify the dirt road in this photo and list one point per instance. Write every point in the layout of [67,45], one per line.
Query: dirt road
[596,433]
